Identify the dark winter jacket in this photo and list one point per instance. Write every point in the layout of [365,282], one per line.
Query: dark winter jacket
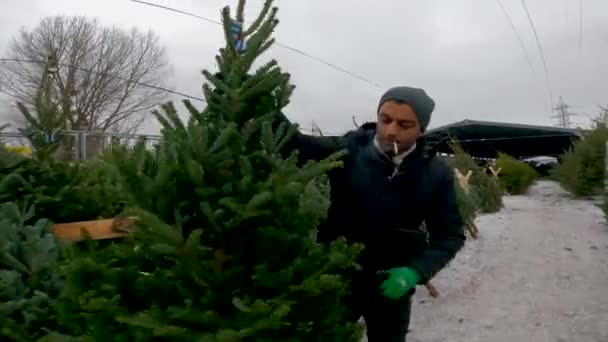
[384,207]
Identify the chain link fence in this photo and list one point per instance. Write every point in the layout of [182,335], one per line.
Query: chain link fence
[81,145]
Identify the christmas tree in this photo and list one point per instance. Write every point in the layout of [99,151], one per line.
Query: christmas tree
[44,125]
[224,248]
[29,277]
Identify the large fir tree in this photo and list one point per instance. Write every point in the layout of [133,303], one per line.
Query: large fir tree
[225,248]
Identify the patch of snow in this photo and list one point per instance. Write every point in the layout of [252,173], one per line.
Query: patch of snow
[538,272]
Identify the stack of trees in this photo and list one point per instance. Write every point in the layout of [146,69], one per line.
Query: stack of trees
[480,191]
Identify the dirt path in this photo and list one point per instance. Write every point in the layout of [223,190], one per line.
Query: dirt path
[539,272]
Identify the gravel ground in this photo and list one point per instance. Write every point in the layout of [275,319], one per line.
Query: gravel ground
[538,272]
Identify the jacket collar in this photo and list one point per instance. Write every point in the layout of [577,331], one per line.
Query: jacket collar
[398,158]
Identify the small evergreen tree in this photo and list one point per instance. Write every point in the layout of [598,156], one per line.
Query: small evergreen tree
[469,206]
[29,277]
[225,245]
[46,122]
[516,176]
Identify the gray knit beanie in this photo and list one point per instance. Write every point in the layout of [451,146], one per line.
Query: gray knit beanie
[417,98]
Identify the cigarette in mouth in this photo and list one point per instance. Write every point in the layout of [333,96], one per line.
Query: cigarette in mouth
[395,148]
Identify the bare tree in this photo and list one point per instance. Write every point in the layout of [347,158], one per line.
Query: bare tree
[103,78]
[601,120]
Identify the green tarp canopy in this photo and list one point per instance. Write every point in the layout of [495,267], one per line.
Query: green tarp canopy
[483,139]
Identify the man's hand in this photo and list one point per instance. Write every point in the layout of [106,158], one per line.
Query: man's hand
[400,281]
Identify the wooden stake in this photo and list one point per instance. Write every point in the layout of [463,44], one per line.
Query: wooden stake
[463,180]
[432,289]
[495,173]
[97,229]
[471,228]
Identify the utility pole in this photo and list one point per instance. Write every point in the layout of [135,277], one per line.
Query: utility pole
[563,115]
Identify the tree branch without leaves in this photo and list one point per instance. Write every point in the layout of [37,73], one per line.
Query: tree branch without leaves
[99,71]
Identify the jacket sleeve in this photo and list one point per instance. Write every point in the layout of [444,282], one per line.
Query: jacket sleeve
[444,224]
[310,147]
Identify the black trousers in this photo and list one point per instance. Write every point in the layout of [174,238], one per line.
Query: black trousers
[386,320]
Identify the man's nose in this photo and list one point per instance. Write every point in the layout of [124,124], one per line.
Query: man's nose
[392,130]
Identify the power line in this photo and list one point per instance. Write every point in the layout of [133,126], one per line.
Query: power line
[298,51]
[178,11]
[118,77]
[143,84]
[521,42]
[540,49]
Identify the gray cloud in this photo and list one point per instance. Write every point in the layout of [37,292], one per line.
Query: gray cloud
[463,52]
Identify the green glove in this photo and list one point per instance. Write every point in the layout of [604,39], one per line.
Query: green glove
[400,281]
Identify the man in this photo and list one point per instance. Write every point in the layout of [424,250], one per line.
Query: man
[389,186]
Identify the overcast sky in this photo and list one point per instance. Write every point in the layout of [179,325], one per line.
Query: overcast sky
[463,52]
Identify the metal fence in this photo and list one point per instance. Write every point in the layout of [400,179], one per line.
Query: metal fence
[82,145]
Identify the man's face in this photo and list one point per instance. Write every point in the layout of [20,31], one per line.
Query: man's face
[398,123]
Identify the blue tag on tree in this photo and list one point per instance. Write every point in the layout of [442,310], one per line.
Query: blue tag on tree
[237,30]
